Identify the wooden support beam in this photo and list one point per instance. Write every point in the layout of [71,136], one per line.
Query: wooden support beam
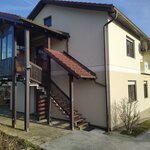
[27,77]
[14,80]
[71,94]
[49,85]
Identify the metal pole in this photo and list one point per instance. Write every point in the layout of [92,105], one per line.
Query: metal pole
[71,93]
[27,77]
[49,85]
[14,81]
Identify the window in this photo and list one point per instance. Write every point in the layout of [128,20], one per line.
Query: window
[130,47]
[48,21]
[132,90]
[4,47]
[145,89]
[6,43]
[9,43]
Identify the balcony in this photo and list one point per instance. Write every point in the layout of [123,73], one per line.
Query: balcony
[6,69]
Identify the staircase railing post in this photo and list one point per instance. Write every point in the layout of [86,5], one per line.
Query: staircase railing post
[48,92]
[49,84]
[71,95]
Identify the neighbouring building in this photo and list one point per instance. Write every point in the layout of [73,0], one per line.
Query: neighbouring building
[73,60]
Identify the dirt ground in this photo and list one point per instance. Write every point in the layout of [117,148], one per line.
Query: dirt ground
[38,133]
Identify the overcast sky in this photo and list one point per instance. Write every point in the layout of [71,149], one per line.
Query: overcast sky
[136,10]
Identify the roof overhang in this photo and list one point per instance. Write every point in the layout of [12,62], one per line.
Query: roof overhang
[127,23]
[29,24]
[111,9]
[72,4]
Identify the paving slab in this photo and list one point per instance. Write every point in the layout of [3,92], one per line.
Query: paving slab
[97,140]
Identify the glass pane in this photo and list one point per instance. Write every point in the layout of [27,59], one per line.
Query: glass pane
[4,47]
[0,47]
[48,21]
[9,45]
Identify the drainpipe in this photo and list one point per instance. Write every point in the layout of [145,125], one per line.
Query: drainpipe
[106,62]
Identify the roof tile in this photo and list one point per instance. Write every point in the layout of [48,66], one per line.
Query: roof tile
[71,65]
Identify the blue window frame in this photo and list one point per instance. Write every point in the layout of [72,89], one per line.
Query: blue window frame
[9,43]
[4,47]
[48,21]
[6,44]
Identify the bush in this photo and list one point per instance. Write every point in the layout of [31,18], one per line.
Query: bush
[128,114]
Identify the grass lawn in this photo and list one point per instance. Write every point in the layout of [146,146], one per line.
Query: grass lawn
[8,142]
[139,129]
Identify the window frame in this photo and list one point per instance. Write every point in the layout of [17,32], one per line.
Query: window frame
[130,40]
[132,82]
[5,33]
[145,92]
[49,17]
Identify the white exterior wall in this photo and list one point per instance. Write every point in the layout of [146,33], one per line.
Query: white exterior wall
[86,45]
[20,99]
[124,68]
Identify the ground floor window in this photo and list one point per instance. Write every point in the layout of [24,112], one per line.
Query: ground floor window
[145,89]
[132,90]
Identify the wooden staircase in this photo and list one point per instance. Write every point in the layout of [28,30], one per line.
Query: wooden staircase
[41,105]
[62,102]
[63,106]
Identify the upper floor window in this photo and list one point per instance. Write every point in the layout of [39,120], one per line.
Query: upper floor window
[145,89]
[6,43]
[48,21]
[4,47]
[130,47]
[132,90]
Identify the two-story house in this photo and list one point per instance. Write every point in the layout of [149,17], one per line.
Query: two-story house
[57,39]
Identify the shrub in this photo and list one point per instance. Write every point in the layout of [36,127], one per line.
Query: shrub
[128,114]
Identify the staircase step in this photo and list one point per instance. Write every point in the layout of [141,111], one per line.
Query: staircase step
[41,105]
[77,116]
[41,109]
[42,113]
[82,125]
[42,101]
[42,117]
[42,97]
[79,120]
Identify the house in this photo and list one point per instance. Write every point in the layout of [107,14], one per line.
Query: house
[73,60]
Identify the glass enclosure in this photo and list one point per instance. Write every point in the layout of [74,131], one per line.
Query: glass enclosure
[6,43]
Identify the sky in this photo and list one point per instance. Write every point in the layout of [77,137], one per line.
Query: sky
[136,10]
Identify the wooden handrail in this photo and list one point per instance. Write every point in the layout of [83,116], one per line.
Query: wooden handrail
[32,64]
[36,73]
[59,89]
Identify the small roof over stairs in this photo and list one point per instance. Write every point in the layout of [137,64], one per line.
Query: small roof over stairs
[71,65]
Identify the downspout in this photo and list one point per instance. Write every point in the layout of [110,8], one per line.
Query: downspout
[106,62]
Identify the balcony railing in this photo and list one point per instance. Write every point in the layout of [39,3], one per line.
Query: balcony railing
[6,69]
[36,73]
[35,70]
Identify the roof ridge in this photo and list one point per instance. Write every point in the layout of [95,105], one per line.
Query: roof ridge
[83,2]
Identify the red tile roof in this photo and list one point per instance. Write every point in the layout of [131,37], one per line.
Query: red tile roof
[70,64]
